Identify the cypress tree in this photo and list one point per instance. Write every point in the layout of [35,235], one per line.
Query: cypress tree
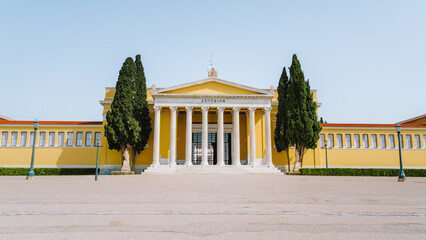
[121,125]
[281,135]
[303,126]
[140,111]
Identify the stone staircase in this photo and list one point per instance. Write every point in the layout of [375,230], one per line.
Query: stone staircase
[213,169]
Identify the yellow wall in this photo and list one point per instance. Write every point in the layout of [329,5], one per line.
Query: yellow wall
[337,157]
[48,155]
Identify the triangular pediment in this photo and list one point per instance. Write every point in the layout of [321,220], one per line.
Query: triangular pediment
[212,86]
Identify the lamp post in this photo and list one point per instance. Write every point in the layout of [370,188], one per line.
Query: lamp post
[31,174]
[97,155]
[326,157]
[401,177]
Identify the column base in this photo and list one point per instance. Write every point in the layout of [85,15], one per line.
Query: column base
[122,173]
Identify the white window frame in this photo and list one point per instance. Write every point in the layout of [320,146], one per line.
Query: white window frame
[98,138]
[88,143]
[374,141]
[339,139]
[424,141]
[401,139]
[51,142]
[391,141]
[32,139]
[79,139]
[348,139]
[42,139]
[70,139]
[13,139]
[357,143]
[417,143]
[382,138]
[24,142]
[409,142]
[4,138]
[365,141]
[61,139]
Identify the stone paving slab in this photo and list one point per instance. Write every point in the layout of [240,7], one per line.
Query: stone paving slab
[212,207]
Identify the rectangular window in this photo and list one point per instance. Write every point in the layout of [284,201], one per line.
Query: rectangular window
[97,138]
[31,139]
[61,138]
[365,140]
[70,139]
[424,141]
[417,141]
[4,136]
[408,139]
[51,139]
[348,142]
[356,141]
[374,140]
[88,139]
[330,141]
[401,141]
[79,142]
[391,140]
[42,139]
[382,141]
[23,139]
[14,139]
[339,140]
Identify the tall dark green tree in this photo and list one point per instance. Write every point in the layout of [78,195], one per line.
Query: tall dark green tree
[304,127]
[122,127]
[281,136]
[140,111]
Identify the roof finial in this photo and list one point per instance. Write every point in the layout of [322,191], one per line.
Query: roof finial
[210,69]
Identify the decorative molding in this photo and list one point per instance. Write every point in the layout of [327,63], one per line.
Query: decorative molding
[211,79]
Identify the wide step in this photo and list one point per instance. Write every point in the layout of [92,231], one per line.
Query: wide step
[213,169]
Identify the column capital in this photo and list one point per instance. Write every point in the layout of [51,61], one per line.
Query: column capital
[157,108]
[267,109]
[236,109]
[188,108]
[173,108]
[220,109]
[204,108]
[252,109]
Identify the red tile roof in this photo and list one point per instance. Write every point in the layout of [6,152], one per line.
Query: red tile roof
[413,119]
[51,122]
[367,125]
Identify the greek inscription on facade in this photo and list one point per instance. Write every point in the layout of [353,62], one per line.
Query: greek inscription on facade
[212,100]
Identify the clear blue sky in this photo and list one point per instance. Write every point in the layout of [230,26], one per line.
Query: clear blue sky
[367,59]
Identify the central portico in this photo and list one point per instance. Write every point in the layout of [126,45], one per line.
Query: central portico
[213,109]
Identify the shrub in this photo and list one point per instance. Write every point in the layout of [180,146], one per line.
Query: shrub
[46,171]
[362,172]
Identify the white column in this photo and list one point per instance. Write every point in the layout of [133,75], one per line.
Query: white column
[236,143]
[172,155]
[188,145]
[268,159]
[220,143]
[156,150]
[252,136]
[204,136]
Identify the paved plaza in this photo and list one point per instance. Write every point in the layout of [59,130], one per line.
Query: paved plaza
[212,207]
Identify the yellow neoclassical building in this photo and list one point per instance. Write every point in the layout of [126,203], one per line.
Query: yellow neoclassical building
[210,125]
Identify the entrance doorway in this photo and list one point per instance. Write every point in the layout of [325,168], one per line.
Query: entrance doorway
[211,148]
